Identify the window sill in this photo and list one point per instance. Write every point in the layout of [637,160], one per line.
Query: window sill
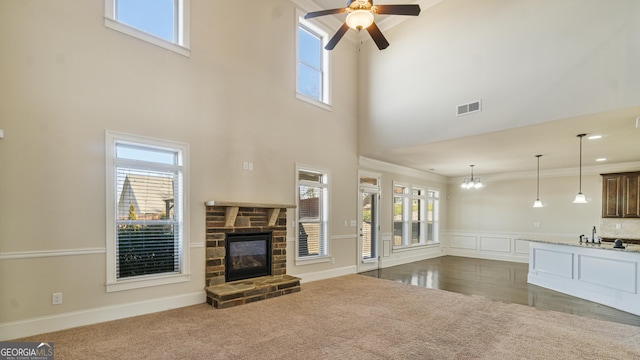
[131,31]
[143,282]
[313,260]
[314,102]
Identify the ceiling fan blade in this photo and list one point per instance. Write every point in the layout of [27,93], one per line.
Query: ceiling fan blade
[339,34]
[377,36]
[412,10]
[325,12]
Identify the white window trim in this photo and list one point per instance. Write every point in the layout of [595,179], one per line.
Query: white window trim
[376,189]
[112,283]
[423,215]
[181,47]
[410,197]
[318,258]
[326,61]
[436,220]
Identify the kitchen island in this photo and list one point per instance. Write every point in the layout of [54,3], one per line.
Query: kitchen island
[591,271]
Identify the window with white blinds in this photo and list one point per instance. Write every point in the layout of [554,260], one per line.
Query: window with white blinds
[147,187]
[312,209]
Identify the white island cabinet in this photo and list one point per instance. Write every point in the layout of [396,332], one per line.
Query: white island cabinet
[594,272]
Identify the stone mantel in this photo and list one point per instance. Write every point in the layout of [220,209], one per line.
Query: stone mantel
[231,212]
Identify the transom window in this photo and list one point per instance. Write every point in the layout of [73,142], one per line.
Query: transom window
[312,213]
[312,63]
[161,22]
[146,241]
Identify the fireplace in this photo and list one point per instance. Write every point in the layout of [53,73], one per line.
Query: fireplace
[247,255]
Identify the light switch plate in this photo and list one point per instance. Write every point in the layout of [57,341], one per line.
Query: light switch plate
[1,134]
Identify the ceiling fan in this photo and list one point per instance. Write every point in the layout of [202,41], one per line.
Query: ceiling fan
[360,16]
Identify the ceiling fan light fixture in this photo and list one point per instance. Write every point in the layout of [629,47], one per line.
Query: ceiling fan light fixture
[360,19]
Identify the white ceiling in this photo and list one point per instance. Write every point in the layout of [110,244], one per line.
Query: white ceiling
[416,126]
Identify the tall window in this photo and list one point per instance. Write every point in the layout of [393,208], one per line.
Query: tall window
[313,213]
[418,213]
[146,211]
[400,215]
[312,63]
[410,213]
[162,22]
[433,214]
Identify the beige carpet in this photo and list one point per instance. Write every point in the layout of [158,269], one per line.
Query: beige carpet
[353,317]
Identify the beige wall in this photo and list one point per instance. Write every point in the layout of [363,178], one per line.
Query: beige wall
[505,205]
[66,78]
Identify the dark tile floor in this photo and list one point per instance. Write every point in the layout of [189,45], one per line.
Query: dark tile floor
[498,280]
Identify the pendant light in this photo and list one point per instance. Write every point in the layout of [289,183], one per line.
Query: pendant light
[580,198]
[538,203]
[473,183]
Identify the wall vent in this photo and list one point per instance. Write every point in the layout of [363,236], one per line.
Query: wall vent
[469,108]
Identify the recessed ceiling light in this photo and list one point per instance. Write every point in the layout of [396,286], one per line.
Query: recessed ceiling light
[594,137]
[601,159]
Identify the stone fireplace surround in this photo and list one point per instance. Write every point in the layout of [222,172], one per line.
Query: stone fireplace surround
[223,218]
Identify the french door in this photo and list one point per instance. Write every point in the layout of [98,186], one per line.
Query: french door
[368,225]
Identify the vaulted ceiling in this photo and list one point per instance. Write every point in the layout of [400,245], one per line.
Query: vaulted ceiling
[544,72]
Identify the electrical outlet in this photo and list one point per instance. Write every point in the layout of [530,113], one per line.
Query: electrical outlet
[56,298]
[536,224]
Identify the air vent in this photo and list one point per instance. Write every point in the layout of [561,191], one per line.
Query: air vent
[469,108]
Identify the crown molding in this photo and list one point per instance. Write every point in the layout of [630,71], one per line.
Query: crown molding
[378,165]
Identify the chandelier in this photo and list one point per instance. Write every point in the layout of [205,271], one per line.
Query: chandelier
[471,183]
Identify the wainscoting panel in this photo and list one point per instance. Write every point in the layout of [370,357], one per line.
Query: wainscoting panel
[608,273]
[463,242]
[495,244]
[552,262]
[484,245]
[521,247]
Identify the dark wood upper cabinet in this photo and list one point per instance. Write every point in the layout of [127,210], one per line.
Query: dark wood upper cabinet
[621,195]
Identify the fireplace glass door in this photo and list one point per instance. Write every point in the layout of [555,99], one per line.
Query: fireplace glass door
[247,256]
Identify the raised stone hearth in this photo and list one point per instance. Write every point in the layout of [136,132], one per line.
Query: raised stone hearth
[245,291]
[224,218]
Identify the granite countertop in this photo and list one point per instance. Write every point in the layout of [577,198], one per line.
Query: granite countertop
[574,242]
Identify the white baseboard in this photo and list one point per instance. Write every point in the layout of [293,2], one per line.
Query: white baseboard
[326,274]
[45,324]
[429,253]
